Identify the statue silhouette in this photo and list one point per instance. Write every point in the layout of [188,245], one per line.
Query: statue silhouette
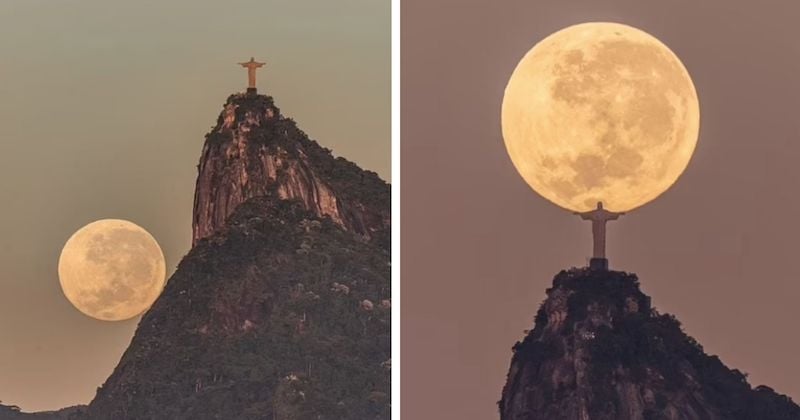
[251,67]
[599,217]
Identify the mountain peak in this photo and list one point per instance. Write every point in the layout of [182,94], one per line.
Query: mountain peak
[282,308]
[254,149]
[599,350]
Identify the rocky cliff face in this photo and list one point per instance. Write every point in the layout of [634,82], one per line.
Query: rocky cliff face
[600,351]
[253,149]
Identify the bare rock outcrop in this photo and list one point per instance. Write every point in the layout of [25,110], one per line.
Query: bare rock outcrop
[254,149]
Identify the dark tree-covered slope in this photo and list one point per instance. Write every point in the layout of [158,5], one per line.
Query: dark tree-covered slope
[280,315]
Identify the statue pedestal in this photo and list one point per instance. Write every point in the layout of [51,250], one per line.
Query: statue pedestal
[252,91]
[599,264]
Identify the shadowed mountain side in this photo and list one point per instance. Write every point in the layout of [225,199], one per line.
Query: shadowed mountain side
[280,315]
[600,351]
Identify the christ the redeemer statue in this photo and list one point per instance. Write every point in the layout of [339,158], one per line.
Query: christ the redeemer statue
[251,67]
[599,217]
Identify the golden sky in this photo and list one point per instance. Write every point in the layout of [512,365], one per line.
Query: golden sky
[103,109]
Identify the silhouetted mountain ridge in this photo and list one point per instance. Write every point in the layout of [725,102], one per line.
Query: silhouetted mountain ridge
[12,412]
[600,351]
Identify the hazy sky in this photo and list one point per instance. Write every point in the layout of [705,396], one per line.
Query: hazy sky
[103,109]
[479,247]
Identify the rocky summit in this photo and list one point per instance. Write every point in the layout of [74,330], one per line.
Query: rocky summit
[600,351]
[253,149]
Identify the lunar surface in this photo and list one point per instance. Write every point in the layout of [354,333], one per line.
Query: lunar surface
[111,270]
[600,112]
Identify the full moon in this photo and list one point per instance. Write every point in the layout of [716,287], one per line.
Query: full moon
[111,270]
[600,112]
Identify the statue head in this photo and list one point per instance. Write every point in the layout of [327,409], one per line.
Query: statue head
[599,204]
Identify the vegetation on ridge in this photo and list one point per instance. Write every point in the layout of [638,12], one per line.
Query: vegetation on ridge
[281,315]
